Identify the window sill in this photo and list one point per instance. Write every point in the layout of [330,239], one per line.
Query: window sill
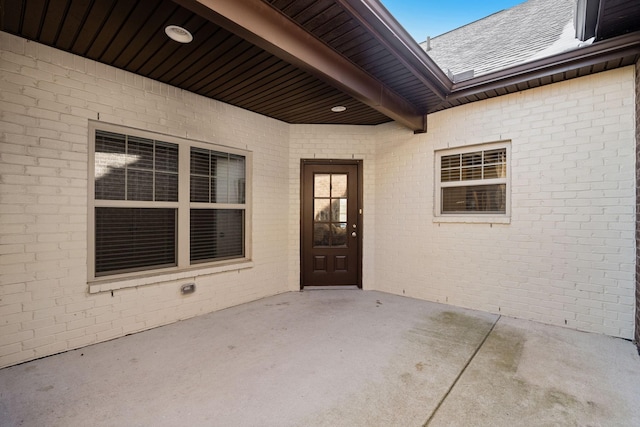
[162,276]
[473,219]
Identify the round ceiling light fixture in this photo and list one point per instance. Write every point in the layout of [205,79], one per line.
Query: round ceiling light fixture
[339,109]
[178,34]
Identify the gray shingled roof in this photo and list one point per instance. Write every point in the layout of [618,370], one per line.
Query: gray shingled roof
[528,31]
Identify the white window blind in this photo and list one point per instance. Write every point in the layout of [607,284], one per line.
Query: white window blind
[131,239]
[472,181]
[217,192]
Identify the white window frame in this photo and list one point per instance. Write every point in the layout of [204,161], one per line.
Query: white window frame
[472,217]
[184,268]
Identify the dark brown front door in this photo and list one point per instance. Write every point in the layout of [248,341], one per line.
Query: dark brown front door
[331,212]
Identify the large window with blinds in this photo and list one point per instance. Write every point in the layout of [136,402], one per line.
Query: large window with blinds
[160,202]
[473,180]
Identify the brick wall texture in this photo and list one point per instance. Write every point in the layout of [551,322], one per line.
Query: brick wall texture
[48,98]
[637,334]
[567,256]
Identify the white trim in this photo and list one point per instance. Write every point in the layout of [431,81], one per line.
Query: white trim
[472,217]
[153,277]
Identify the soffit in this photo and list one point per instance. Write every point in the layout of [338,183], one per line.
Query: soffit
[354,30]
[229,63]
[219,64]
[617,17]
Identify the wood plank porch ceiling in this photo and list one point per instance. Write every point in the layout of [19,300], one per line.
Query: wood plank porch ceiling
[331,52]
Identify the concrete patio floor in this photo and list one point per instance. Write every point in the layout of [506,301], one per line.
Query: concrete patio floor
[333,358]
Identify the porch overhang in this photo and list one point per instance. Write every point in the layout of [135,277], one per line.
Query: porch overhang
[267,28]
[292,60]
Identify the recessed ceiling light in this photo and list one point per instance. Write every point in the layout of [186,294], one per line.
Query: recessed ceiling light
[338,109]
[178,34]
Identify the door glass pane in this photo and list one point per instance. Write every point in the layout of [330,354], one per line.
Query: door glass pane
[339,210]
[339,185]
[330,210]
[321,185]
[339,234]
[321,234]
[321,210]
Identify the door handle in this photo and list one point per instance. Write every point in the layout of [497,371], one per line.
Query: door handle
[353,234]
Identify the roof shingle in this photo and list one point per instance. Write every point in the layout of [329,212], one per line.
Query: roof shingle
[522,33]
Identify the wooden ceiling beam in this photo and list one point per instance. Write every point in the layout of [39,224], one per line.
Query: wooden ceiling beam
[259,23]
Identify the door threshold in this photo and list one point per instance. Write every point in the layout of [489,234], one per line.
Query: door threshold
[331,288]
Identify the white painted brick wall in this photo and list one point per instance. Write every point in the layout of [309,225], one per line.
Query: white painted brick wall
[567,257]
[47,97]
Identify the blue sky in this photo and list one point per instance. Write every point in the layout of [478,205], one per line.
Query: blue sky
[422,18]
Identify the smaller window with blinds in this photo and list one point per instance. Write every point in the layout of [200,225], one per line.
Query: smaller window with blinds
[473,181]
